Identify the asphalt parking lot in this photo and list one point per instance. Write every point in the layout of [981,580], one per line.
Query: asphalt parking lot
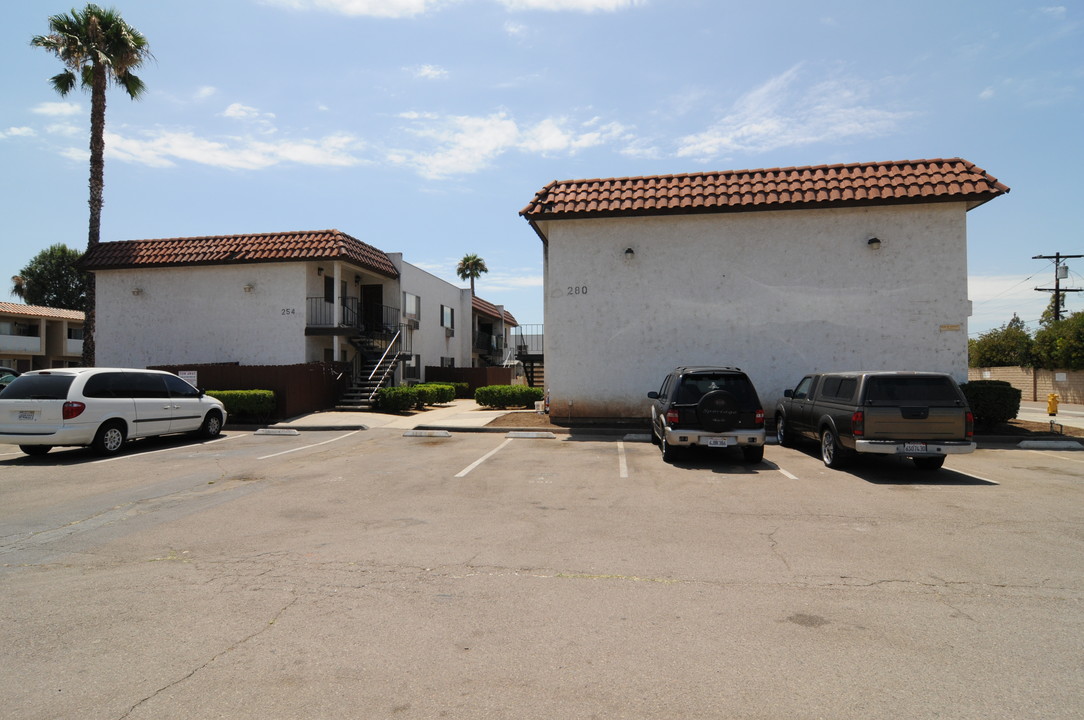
[390,573]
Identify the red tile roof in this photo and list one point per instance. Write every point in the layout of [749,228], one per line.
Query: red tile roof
[38,311]
[238,249]
[856,184]
[483,307]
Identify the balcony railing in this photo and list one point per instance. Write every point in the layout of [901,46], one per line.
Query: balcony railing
[358,316]
[528,340]
[488,343]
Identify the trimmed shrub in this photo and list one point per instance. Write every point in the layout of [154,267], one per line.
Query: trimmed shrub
[506,396]
[435,393]
[396,399]
[246,404]
[991,401]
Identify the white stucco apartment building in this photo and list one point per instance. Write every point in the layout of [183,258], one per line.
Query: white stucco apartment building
[779,271]
[272,299]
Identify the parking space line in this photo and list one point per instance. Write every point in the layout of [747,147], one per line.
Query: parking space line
[787,474]
[479,461]
[306,447]
[169,449]
[1060,457]
[622,466]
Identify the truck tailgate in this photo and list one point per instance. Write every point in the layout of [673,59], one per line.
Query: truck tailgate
[915,423]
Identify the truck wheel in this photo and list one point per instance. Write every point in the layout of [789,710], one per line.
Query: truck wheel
[929,464]
[781,434]
[831,453]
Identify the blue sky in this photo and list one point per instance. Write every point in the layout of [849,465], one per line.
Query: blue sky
[424,126]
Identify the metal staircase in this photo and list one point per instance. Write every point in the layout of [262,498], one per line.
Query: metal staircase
[374,368]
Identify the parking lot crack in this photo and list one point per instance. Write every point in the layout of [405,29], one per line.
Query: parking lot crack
[248,638]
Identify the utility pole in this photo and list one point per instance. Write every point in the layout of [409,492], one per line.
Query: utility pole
[1060,271]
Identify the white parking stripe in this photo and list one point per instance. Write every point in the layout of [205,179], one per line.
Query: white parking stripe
[1060,457]
[787,474]
[622,466]
[133,456]
[306,447]
[479,461]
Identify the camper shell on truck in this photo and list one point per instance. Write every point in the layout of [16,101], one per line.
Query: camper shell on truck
[920,415]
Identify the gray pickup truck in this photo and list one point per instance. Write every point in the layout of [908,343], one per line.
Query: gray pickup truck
[920,415]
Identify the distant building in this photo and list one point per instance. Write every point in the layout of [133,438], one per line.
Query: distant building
[39,338]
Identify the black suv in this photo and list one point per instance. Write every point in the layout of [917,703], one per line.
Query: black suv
[708,406]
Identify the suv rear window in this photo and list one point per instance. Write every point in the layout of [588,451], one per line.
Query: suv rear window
[694,387]
[38,387]
[911,391]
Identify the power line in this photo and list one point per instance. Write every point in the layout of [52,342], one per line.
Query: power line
[1060,271]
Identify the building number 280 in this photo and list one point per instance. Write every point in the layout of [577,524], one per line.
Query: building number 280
[577,290]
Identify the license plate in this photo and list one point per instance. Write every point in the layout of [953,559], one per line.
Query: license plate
[914,447]
[26,415]
[716,442]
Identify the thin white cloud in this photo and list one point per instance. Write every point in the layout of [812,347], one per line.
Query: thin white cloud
[995,298]
[515,29]
[205,92]
[166,148]
[57,109]
[466,144]
[987,94]
[429,72]
[1058,12]
[573,5]
[237,111]
[17,132]
[370,8]
[780,114]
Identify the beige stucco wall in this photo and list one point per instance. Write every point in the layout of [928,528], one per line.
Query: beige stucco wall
[779,294]
[201,315]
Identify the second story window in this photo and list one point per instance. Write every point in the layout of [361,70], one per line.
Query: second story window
[447,316]
[412,306]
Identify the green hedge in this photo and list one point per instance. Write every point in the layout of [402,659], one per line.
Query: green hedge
[991,401]
[246,404]
[396,399]
[506,396]
[435,393]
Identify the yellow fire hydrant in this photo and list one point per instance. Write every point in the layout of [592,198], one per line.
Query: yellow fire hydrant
[1052,404]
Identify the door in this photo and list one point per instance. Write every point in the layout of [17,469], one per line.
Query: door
[153,409]
[186,405]
[372,307]
[801,406]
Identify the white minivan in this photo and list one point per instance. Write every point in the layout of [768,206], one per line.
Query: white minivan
[102,408]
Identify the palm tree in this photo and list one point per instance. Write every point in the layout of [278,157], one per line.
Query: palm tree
[96,48]
[471,266]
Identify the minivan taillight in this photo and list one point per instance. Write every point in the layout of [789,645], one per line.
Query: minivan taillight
[969,425]
[73,409]
[673,417]
[758,419]
[858,423]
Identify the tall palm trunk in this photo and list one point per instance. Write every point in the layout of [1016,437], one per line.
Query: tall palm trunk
[97,185]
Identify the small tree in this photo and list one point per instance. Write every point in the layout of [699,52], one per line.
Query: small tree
[52,279]
[471,267]
[1010,345]
[1060,345]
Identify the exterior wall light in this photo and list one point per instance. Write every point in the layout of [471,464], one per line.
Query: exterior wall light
[137,291]
[874,243]
[629,253]
[319,271]
[249,288]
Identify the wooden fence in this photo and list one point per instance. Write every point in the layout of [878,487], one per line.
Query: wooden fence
[299,389]
[475,377]
[1034,385]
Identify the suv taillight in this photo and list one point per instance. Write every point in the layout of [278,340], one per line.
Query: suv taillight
[73,409]
[969,425]
[673,417]
[758,420]
[858,423]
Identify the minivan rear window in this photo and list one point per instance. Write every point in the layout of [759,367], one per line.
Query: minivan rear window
[921,390]
[38,387]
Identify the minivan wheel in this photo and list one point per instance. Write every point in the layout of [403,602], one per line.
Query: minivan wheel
[212,425]
[831,452]
[929,464]
[110,438]
[35,449]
